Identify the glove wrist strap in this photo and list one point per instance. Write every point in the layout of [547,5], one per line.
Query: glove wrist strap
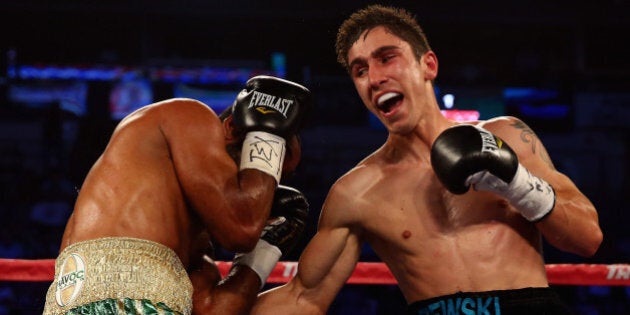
[262,259]
[532,196]
[263,151]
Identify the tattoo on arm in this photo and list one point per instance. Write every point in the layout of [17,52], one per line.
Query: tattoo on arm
[528,136]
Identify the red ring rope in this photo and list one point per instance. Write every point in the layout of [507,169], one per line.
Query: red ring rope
[364,273]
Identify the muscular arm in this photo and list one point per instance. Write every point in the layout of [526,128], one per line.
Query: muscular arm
[326,263]
[573,224]
[233,205]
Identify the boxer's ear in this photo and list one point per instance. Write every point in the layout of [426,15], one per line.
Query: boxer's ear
[228,128]
[430,64]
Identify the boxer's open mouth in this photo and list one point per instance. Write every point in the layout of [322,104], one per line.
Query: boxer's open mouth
[386,101]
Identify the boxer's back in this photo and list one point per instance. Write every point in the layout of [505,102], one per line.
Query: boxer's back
[132,190]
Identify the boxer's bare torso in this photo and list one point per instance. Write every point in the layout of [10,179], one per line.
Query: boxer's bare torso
[400,208]
[161,178]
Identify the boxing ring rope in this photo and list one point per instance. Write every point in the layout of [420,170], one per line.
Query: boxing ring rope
[364,273]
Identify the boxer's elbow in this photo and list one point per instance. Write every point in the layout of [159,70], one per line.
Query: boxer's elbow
[586,244]
[592,243]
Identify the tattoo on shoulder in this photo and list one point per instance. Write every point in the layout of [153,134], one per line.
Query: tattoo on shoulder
[528,136]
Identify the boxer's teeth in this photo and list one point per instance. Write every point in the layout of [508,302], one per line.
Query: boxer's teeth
[386,97]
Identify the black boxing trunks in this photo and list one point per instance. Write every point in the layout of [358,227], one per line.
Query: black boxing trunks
[118,275]
[508,302]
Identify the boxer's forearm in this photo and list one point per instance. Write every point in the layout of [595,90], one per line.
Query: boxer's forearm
[235,294]
[573,225]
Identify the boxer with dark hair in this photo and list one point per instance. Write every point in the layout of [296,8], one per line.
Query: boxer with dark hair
[452,249]
[173,178]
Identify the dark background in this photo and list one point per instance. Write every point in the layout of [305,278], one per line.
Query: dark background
[570,59]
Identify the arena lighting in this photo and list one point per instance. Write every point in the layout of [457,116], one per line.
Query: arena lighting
[529,93]
[201,75]
[547,111]
[460,114]
[73,72]
[449,100]
[165,73]
[70,95]
[279,64]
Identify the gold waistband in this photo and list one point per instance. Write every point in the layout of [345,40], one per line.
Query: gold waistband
[118,267]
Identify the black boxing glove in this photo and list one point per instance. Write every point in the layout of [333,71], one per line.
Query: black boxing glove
[466,155]
[269,110]
[289,213]
[272,105]
[290,210]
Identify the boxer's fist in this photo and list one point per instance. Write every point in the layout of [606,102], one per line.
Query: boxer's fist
[288,219]
[467,155]
[464,150]
[272,105]
[270,111]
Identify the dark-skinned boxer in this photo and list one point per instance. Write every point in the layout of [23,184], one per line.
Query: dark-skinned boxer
[172,172]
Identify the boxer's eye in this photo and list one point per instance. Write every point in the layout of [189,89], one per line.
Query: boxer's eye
[386,58]
[359,71]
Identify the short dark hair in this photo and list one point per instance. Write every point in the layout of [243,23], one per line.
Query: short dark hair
[398,21]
